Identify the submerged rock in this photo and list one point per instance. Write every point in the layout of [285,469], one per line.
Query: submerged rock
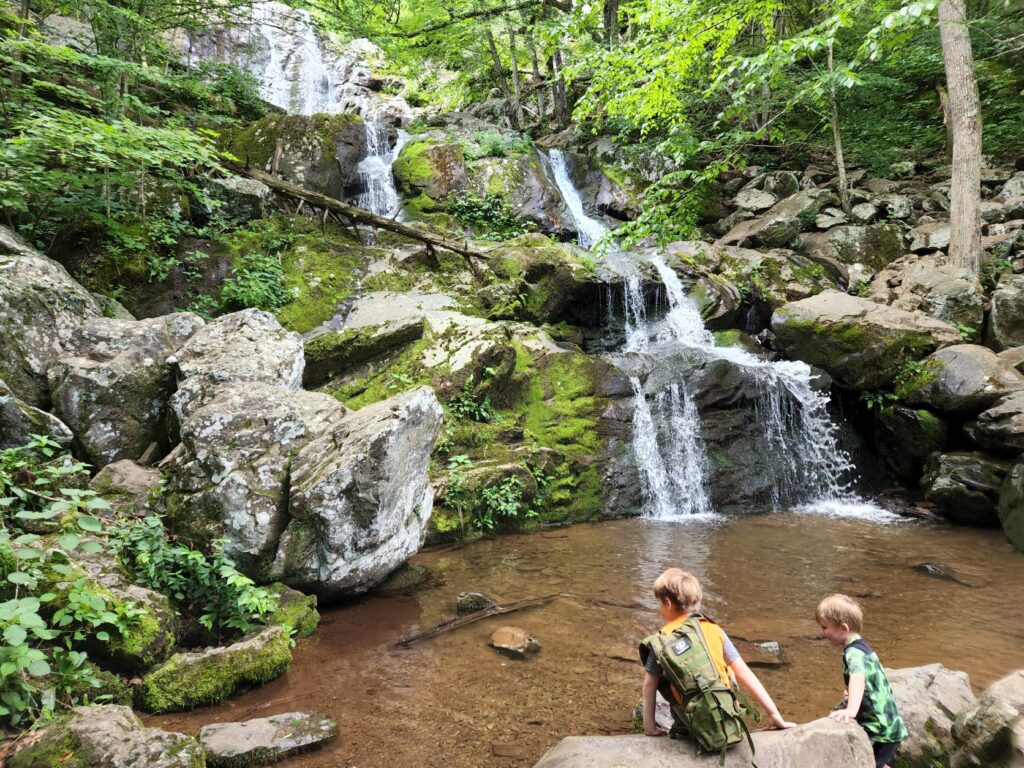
[108,736]
[819,743]
[189,680]
[515,642]
[929,699]
[266,739]
[40,306]
[473,602]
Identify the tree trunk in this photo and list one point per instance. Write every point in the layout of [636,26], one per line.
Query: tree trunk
[561,108]
[536,75]
[946,120]
[517,89]
[837,138]
[499,72]
[965,116]
[611,22]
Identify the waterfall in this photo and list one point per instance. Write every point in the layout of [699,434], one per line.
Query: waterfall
[379,195]
[589,230]
[802,454]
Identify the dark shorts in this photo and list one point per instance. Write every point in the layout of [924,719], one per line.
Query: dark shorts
[884,751]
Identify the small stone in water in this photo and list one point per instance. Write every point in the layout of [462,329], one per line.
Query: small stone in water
[514,641]
[472,602]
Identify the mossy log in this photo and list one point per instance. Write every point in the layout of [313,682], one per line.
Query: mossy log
[360,216]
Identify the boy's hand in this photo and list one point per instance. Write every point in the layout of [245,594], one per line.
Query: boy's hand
[776,722]
[658,731]
[843,716]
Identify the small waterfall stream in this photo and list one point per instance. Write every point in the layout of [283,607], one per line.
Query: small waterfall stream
[379,195]
[589,230]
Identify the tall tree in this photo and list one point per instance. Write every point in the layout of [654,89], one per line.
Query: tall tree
[965,117]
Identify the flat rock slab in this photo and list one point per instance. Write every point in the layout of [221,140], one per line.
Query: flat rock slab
[514,641]
[266,739]
[819,743]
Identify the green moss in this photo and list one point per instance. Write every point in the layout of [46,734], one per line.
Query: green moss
[402,373]
[56,749]
[397,282]
[320,273]
[148,641]
[412,168]
[190,680]
[257,142]
[295,610]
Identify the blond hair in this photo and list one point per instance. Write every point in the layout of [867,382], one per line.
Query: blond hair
[680,588]
[840,609]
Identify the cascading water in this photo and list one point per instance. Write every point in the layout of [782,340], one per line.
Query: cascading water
[379,195]
[589,230]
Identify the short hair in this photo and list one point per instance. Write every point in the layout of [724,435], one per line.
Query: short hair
[680,588]
[840,609]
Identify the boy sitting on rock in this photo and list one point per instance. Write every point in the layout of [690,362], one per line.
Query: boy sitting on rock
[868,698]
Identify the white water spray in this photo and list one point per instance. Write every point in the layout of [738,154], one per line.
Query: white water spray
[589,230]
[375,171]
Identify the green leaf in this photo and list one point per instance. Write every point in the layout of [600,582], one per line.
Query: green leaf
[20,577]
[69,540]
[90,524]
[15,635]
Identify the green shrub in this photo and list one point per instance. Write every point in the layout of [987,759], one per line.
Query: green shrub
[256,280]
[491,218]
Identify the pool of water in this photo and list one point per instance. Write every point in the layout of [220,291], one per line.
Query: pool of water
[453,702]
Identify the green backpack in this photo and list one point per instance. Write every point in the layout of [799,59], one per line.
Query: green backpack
[713,713]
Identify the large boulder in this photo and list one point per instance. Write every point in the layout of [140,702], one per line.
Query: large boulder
[127,487]
[108,736]
[929,699]
[519,179]
[965,379]
[907,436]
[818,743]
[873,245]
[240,199]
[861,344]
[431,164]
[19,421]
[965,486]
[987,731]
[249,345]
[1000,429]
[1006,320]
[335,352]
[230,475]
[40,306]
[318,152]
[359,497]
[112,384]
[782,223]
[265,739]
[928,284]
[1011,507]
[189,680]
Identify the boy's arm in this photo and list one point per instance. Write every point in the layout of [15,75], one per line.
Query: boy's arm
[651,727]
[855,692]
[745,677]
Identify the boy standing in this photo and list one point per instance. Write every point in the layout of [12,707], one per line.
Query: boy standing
[869,699]
[679,594]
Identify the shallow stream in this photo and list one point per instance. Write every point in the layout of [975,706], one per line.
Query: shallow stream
[453,702]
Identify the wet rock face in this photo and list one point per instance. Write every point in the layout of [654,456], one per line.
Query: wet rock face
[109,736]
[1011,507]
[266,739]
[862,345]
[40,306]
[112,384]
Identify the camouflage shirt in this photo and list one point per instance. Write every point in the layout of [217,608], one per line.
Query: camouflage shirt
[878,714]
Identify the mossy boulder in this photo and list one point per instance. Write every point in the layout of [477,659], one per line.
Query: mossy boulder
[335,352]
[19,421]
[108,736]
[862,345]
[907,436]
[319,152]
[965,486]
[295,610]
[432,165]
[520,181]
[967,379]
[189,680]
[874,245]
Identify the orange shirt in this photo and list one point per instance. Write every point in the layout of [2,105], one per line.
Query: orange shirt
[714,636]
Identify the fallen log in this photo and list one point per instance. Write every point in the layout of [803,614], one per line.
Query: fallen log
[360,216]
[449,624]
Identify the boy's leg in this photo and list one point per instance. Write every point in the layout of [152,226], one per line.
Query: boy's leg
[884,752]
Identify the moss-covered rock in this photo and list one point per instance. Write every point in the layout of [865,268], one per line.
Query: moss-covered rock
[265,740]
[189,680]
[403,579]
[907,436]
[432,165]
[295,610]
[336,352]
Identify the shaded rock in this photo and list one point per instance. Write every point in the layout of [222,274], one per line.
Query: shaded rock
[473,602]
[295,610]
[19,421]
[873,245]
[907,436]
[864,213]
[40,306]
[779,183]
[861,344]
[930,237]
[241,199]
[755,200]
[359,497]
[108,736]
[403,579]
[1014,356]
[244,346]
[818,743]
[965,486]
[189,680]
[964,379]
[1011,507]
[126,486]
[927,284]
[895,206]
[1014,187]
[229,476]
[514,642]
[1000,429]
[782,223]
[983,732]
[266,739]
[112,384]
[62,30]
[929,699]
[1006,321]
[335,352]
